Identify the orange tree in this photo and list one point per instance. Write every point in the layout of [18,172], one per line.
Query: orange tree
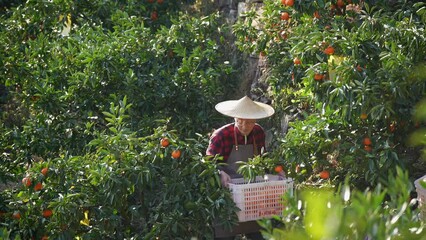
[350,73]
[123,187]
[64,62]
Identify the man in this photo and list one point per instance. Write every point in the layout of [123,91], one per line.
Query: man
[235,142]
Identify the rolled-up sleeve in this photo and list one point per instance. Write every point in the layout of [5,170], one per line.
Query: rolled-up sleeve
[215,145]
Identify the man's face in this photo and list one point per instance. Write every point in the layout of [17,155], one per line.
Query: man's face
[245,125]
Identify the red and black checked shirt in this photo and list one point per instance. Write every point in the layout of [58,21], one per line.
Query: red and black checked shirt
[222,140]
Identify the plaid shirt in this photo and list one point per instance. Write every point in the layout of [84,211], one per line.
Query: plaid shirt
[222,140]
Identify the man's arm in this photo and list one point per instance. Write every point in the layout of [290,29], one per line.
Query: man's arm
[216,148]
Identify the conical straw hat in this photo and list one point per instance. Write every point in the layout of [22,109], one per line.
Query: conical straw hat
[245,108]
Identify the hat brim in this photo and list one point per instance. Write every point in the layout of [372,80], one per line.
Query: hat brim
[245,108]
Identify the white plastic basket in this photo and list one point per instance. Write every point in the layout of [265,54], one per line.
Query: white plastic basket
[421,196]
[261,198]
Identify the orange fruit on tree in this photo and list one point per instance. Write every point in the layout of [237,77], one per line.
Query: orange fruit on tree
[340,3]
[317,15]
[289,3]
[164,142]
[363,116]
[285,16]
[176,154]
[26,181]
[329,50]
[45,237]
[160,1]
[324,174]
[297,61]
[47,213]
[38,186]
[367,141]
[16,215]
[278,168]
[318,76]
[44,171]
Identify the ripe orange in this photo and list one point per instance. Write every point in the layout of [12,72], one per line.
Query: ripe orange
[176,154]
[26,181]
[368,148]
[154,15]
[160,1]
[359,68]
[324,174]
[47,213]
[45,237]
[38,186]
[318,76]
[44,171]
[164,142]
[278,168]
[16,215]
[297,61]
[289,3]
[285,16]
[283,2]
[329,50]
[340,3]
[317,15]
[367,141]
[363,116]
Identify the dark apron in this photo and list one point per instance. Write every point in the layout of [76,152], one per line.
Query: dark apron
[239,153]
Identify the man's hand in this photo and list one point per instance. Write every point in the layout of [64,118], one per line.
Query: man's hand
[224,179]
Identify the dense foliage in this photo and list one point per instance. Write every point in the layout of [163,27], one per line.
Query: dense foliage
[88,89]
[347,76]
[352,72]
[106,108]
[62,68]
